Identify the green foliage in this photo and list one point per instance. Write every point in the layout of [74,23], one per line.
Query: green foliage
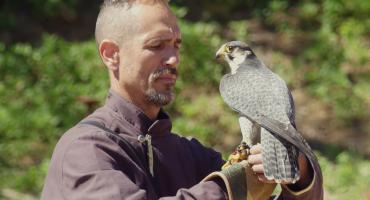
[40,89]
[207,118]
[40,8]
[198,64]
[17,16]
[347,177]
[335,61]
[338,54]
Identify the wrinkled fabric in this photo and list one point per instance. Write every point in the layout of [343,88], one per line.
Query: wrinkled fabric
[87,163]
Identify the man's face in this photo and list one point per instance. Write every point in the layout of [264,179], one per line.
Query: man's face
[149,58]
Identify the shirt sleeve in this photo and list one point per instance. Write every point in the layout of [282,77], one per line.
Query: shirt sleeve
[214,189]
[313,191]
[208,160]
[95,167]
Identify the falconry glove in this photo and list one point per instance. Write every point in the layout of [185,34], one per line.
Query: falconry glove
[239,179]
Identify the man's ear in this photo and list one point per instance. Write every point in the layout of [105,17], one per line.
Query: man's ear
[109,52]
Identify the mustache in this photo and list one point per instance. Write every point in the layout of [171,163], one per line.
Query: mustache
[164,70]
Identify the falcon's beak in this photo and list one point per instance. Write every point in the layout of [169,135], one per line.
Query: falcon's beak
[220,54]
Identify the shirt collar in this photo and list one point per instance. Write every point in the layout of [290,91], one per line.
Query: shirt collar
[137,118]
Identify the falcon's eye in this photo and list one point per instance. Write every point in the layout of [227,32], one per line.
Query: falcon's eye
[229,49]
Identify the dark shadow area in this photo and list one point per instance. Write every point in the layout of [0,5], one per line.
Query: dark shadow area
[27,21]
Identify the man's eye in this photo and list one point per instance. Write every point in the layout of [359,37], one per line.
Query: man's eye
[156,46]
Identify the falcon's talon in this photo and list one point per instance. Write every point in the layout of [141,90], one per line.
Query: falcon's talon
[240,153]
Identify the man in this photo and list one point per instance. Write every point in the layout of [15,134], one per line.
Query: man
[131,153]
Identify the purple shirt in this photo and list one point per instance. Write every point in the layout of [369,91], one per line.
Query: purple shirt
[89,164]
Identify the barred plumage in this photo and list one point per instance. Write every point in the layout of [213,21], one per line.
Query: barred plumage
[255,91]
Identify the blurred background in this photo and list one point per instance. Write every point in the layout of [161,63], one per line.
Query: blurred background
[51,77]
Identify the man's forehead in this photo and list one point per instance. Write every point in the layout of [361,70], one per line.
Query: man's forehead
[165,32]
[153,20]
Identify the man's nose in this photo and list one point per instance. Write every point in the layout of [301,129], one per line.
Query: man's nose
[173,59]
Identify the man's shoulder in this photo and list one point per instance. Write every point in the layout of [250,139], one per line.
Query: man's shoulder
[86,132]
[76,134]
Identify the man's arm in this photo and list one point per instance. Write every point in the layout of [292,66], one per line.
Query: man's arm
[95,167]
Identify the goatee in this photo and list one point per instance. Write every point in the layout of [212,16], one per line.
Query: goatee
[161,98]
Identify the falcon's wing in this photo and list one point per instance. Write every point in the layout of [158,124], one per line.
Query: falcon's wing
[291,114]
[288,133]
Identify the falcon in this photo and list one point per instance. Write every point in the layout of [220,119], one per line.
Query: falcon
[266,111]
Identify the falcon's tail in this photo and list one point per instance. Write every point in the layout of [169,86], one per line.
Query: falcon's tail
[279,159]
[287,133]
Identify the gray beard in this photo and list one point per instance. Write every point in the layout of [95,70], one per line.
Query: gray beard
[159,98]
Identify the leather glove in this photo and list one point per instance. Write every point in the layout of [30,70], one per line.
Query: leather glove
[239,179]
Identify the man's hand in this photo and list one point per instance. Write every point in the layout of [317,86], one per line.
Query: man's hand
[255,161]
[306,172]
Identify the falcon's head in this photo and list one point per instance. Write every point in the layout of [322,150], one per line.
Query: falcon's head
[235,53]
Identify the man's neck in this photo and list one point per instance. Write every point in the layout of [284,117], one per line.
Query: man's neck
[150,110]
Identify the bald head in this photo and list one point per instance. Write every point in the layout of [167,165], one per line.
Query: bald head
[115,20]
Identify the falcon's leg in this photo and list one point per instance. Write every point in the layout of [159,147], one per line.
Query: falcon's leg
[246,127]
[279,159]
